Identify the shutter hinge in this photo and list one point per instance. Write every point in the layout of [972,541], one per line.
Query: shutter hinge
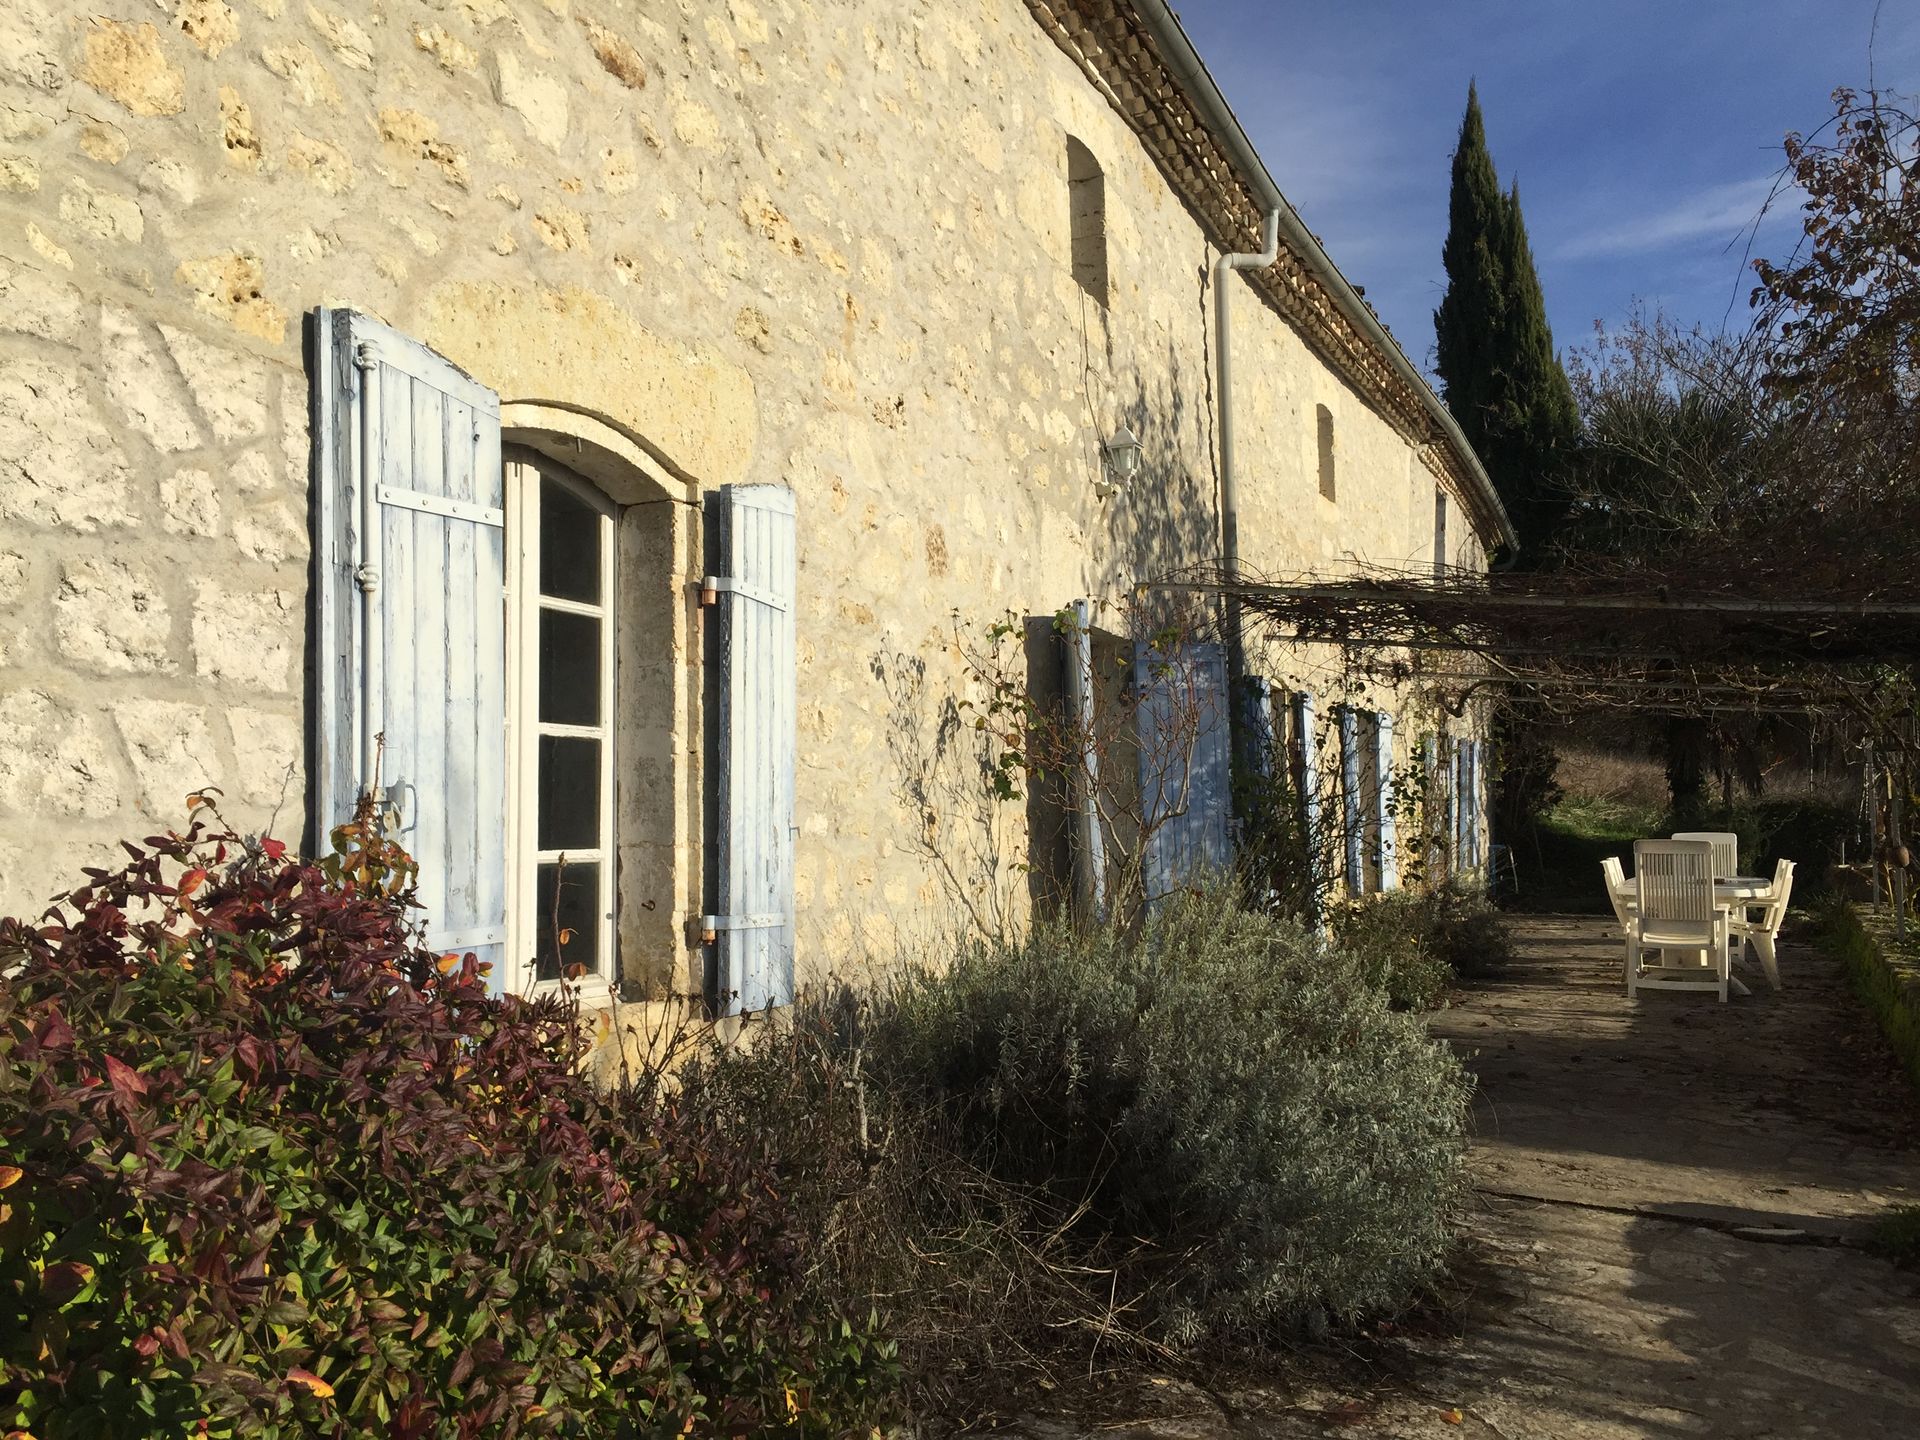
[712,585]
[712,925]
[364,357]
[367,576]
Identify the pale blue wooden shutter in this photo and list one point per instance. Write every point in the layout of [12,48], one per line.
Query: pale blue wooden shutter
[753,539]
[1383,774]
[1352,824]
[1089,838]
[1306,760]
[1457,802]
[1475,805]
[411,646]
[1186,763]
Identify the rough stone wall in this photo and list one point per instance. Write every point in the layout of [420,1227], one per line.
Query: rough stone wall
[816,242]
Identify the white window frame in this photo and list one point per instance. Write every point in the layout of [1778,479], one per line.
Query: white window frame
[525,728]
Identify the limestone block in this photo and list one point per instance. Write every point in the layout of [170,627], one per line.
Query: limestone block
[190,503]
[103,141]
[19,174]
[312,83]
[250,472]
[59,466]
[540,99]
[409,133]
[142,386]
[325,164]
[100,214]
[53,758]
[111,616]
[171,180]
[244,637]
[615,54]
[560,228]
[47,248]
[172,750]
[267,749]
[13,576]
[126,63]
[275,534]
[449,51]
[210,24]
[232,287]
[295,445]
[229,387]
[350,44]
[34,303]
[244,149]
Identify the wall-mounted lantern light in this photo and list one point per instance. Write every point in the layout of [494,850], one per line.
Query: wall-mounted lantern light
[1123,452]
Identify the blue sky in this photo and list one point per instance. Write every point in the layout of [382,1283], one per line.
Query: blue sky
[1644,135]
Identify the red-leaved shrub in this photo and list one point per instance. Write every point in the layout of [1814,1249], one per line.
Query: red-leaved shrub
[268,1167]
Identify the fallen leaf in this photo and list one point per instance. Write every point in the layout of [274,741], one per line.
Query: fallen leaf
[1453,1416]
[10,1175]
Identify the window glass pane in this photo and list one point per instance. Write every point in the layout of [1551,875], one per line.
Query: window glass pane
[569,668]
[567,907]
[569,793]
[569,544]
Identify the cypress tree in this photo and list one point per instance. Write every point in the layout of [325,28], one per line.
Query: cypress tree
[1506,388]
[1494,348]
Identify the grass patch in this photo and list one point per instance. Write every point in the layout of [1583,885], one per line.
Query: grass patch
[1558,865]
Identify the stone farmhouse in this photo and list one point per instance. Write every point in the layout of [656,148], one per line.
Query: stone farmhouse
[612,423]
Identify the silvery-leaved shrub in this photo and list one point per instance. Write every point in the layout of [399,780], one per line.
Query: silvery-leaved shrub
[1259,1144]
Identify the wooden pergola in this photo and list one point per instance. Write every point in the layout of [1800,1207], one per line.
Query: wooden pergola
[1683,644]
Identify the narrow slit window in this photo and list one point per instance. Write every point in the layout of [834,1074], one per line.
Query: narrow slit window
[1087,195]
[1325,426]
[1439,531]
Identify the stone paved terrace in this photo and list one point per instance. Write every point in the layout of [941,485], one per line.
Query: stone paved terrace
[1671,1195]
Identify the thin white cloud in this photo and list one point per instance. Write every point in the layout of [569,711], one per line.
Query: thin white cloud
[1720,213]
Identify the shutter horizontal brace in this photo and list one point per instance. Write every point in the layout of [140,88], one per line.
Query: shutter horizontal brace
[466,939]
[742,922]
[441,505]
[742,588]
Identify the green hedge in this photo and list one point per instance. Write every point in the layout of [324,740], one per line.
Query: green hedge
[1886,979]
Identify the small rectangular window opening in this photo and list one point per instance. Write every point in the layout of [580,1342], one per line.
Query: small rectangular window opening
[1087,196]
[1325,419]
[1439,531]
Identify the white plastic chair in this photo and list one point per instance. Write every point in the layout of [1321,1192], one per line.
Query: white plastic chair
[1766,929]
[1621,893]
[1726,850]
[1674,879]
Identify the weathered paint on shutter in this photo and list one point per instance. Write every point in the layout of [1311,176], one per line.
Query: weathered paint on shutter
[1457,801]
[1352,825]
[1089,836]
[1476,812]
[1432,810]
[1306,779]
[1186,763]
[753,531]
[1389,860]
[411,570]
